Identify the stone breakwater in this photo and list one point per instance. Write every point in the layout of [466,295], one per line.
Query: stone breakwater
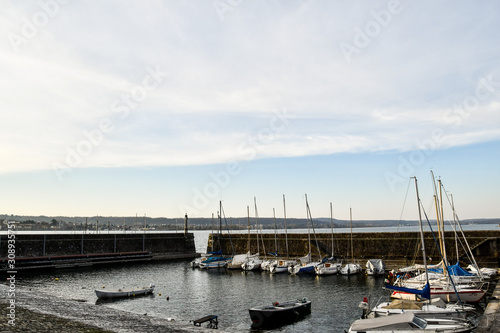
[39,312]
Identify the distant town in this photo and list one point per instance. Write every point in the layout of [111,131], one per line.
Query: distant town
[104,223]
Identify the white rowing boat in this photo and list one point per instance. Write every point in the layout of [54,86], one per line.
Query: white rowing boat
[125,292]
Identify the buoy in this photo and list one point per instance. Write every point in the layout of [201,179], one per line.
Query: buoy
[168,298]
[57,279]
[159,294]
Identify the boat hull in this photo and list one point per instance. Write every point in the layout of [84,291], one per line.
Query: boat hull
[468,296]
[274,316]
[327,269]
[123,293]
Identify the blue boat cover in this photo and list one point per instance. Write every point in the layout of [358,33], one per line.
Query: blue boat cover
[216,252]
[452,270]
[458,271]
[424,293]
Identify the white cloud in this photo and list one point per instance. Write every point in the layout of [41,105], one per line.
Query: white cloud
[227,79]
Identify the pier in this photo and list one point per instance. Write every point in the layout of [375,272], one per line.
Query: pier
[397,249]
[49,251]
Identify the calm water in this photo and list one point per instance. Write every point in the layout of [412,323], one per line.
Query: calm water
[195,293]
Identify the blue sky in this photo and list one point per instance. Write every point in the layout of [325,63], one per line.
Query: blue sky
[167,107]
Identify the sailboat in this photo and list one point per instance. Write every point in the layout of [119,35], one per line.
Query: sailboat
[422,316]
[445,286]
[329,266]
[281,265]
[216,259]
[351,268]
[306,265]
[253,262]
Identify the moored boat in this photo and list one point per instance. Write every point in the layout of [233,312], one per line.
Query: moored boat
[281,266]
[279,314]
[447,293]
[409,322]
[434,308]
[375,267]
[328,268]
[124,292]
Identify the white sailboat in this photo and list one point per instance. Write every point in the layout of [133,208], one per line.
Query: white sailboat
[329,266]
[281,265]
[444,287]
[306,265]
[351,267]
[253,262]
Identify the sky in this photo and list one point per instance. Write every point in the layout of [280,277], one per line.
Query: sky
[162,108]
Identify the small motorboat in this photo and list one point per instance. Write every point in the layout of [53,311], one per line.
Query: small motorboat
[375,267]
[435,308]
[409,322]
[328,268]
[351,269]
[125,292]
[279,314]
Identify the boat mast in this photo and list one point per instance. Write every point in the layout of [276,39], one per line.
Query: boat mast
[308,231]
[275,234]
[331,223]
[442,221]
[352,246]
[286,233]
[455,226]
[314,231]
[438,220]
[421,232]
[248,222]
[212,244]
[257,226]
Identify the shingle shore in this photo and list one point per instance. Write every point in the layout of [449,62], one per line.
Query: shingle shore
[39,312]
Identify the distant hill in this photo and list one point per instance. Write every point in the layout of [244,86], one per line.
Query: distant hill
[208,223]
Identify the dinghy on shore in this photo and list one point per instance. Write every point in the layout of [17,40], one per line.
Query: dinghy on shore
[125,292]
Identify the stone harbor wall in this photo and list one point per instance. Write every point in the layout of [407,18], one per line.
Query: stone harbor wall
[400,246]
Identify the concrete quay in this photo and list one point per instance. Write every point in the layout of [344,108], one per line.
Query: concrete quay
[490,320]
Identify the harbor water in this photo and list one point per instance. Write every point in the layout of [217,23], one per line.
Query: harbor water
[194,293]
[184,293]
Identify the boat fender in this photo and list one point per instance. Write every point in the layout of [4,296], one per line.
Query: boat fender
[276,304]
